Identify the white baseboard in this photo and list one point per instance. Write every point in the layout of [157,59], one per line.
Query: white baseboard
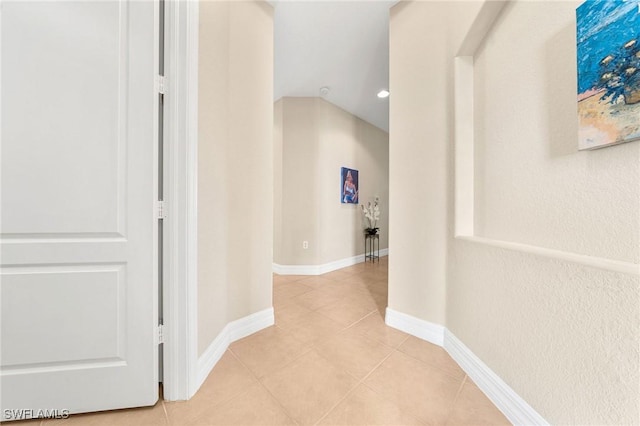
[506,399]
[296,269]
[233,331]
[425,330]
[324,268]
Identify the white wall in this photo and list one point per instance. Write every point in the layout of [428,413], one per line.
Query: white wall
[563,335]
[315,139]
[235,167]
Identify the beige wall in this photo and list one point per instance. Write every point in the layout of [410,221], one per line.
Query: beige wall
[235,167]
[277,179]
[317,139]
[300,204]
[563,335]
[532,186]
[423,37]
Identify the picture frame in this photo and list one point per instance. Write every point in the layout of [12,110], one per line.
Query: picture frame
[349,186]
[608,57]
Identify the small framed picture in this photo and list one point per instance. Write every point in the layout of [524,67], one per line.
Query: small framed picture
[349,190]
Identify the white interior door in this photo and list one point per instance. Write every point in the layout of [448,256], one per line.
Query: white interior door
[78,231]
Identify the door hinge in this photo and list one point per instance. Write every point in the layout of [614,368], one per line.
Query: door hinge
[160,333]
[162,84]
[160,213]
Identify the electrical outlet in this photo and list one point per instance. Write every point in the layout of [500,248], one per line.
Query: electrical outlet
[305,245]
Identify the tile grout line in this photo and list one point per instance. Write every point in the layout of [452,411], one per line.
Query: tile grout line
[405,338]
[458,391]
[265,388]
[166,413]
[360,382]
[401,343]
[314,345]
[309,346]
[229,397]
[346,327]
[429,364]
[279,403]
[455,400]
[259,379]
[411,413]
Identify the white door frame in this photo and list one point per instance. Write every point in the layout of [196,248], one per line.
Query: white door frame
[180,243]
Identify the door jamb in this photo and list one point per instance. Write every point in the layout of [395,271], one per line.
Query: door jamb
[181,183]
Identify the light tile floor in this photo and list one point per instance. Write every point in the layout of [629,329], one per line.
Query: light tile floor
[329,360]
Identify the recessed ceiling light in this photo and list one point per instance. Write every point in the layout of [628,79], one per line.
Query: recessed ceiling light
[383,93]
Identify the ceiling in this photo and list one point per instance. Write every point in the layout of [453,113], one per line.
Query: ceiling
[342,45]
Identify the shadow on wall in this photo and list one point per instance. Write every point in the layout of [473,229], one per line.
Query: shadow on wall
[562,114]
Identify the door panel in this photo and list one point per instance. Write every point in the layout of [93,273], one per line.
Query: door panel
[64,61]
[78,236]
[101,290]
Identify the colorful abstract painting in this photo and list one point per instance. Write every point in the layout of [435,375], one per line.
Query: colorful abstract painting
[608,36]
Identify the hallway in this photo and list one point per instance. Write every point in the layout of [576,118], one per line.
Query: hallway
[331,360]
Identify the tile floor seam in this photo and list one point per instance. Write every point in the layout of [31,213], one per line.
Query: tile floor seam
[259,379]
[166,414]
[464,381]
[312,343]
[455,399]
[237,357]
[428,363]
[319,307]
[246,391]
[350,325]
[337,403]
[320,342]
[363,335]
[350,374]
[360,320]
[413,414]
[360,382]
[404,339]
[323,416]
[233,395]
[261,384]
[279,403]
